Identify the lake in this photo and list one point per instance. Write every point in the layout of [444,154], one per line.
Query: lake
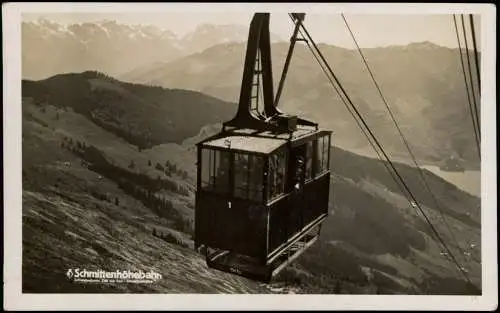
[469,181]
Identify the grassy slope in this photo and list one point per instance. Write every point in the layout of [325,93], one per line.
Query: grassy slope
[65,226]
[371,243]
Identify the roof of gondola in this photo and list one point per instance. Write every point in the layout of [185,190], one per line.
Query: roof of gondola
[251,140]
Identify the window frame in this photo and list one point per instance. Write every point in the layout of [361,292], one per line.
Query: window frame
[214,154]
[310,159]
[269,184]
[214,164]
[250,188]
[322,156]
[204,168]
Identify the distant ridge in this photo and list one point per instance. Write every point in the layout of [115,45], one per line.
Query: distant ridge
[422,83]
[51,48]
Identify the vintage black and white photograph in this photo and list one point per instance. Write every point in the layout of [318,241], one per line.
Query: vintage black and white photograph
[260,150]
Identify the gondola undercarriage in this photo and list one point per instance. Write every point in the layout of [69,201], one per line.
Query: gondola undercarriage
[252,268]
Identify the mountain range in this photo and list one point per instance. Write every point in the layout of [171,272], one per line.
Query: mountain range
[104,174]
[50,48]
[422,84]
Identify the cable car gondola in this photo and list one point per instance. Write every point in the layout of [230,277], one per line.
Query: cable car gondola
[263,181]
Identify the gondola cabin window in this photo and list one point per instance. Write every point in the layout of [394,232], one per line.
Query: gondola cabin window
[276,174]
[248,174]
[215,171]
[309,160]
[322,154]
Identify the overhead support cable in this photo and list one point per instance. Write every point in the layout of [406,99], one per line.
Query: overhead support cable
[407,145]
[370,141]
[377,143]
[474,126]
[474,100]
[476,51]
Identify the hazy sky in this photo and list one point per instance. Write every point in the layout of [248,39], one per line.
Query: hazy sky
[370,30]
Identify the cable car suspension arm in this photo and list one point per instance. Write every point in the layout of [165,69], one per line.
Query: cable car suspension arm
[298,18]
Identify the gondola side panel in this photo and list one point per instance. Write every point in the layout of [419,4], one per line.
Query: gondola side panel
[291,214]
[316,197]
[234,225]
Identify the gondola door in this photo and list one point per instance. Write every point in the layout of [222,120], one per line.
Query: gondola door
[296,185]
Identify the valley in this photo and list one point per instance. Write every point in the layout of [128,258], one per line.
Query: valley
[421,82]
[106,162]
